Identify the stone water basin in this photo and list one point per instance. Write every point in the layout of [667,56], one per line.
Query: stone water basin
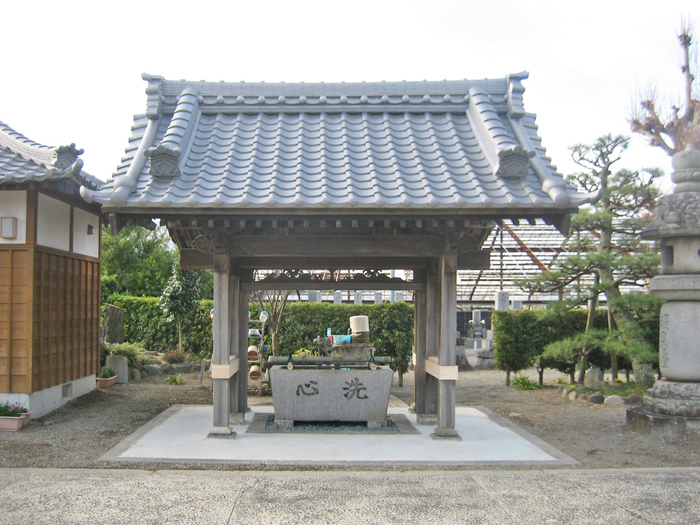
[325,394]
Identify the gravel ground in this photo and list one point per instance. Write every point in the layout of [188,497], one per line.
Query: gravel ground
[76,435]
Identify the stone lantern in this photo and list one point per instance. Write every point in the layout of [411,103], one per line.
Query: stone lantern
[672,406]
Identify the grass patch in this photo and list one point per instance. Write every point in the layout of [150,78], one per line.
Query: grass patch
[522,382]
[174,379]
[626,388]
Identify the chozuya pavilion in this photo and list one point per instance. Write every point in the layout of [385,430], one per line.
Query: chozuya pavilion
[360,176]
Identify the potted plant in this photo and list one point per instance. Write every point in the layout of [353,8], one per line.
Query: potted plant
[11,418]
[107,377]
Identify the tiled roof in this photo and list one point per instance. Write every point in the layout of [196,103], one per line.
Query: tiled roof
[23,161]
[414,145]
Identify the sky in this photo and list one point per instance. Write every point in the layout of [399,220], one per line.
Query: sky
[71,70]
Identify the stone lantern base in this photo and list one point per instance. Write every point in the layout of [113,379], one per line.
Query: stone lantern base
[671,410]
[663,426]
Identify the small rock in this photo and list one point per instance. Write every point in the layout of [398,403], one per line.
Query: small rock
[153,370]
[565,393]
[634,399]
[167,368]
[596,398]
[134,374]
[185,368]
[614,401]
[582,397]
[613,384]
[573,395]
[515,415]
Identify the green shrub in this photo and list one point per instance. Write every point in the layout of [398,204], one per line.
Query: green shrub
[128,350]
[520,337]
[522,382]
[106,372]
[515,340]
[174,379]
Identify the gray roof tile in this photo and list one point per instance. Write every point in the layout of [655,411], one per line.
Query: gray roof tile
[24,161]
[448,145]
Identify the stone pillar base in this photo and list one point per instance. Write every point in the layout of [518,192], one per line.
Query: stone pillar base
[427,419]
[222,432]
[673,398]
[663,426]
[445,434]
[236,419]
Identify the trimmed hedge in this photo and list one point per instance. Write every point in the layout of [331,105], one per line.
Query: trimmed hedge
[145,323]
[521,336]
[391,325]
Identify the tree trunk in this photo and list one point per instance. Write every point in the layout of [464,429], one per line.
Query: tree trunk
[592,305]
[540,374]
[507,377]
[275,337]
[179,332]
[613,355]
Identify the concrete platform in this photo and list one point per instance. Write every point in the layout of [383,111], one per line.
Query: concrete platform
[180,434]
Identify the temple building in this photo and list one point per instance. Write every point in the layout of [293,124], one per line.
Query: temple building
[49,275]
[364,176]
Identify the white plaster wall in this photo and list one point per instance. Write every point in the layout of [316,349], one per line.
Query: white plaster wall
[14,204]
[83,243]
[44,401]
[53,223]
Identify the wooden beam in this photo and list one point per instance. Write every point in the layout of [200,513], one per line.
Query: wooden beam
[195,260]
[441,372]
[225,371]
[314,263]
[330,285]
[337,246]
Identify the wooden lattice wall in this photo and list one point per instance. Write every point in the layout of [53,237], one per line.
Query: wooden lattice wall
[49,318]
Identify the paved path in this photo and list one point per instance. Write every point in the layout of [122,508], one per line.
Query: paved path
[581,497]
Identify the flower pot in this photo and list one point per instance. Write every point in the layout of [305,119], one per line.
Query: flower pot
[11,424]
[106,382]
[26,416]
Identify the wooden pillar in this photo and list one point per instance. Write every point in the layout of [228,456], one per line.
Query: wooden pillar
[222,345]
[238,322]
[419,351]
[241,348]
[427,333]
[447,355]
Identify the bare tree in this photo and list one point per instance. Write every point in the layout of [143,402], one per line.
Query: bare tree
[680,128]
[274,303]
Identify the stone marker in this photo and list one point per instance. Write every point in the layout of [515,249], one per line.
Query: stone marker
[121,367]
[594,378]
[113,324]
[502,301]
[357,297]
